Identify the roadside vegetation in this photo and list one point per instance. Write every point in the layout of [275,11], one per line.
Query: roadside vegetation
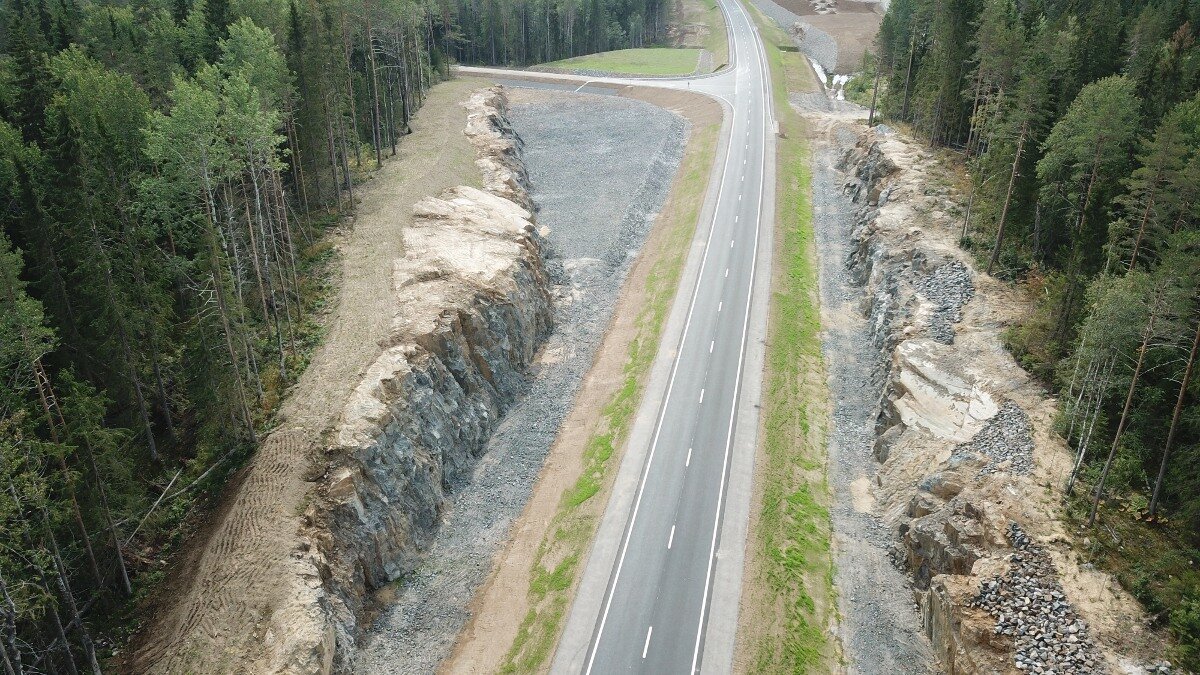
[701,24]
[1080,125]
[168,171]
[790,632]
[656,61]
[557,565]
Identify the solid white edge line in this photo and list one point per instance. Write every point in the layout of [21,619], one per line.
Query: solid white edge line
[595,643]
[737,382]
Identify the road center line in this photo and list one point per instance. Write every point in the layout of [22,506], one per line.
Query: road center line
[646,647]
[671,539]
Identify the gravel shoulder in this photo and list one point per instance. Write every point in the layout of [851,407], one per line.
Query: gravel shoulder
[881,631]
[596,230]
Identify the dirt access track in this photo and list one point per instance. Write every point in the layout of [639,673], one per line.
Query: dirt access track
[221,587]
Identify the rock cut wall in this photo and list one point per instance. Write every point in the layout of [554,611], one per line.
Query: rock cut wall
[473,307]
[970,467]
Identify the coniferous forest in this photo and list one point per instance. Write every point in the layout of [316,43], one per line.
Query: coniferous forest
[167,169]
[1080,125]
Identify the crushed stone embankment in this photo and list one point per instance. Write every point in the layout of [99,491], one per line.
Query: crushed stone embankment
[955,464]
[599,201]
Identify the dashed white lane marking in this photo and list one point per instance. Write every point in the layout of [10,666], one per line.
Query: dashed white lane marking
[671,539]
[711,345]
[688,462]
[739,198]
[702,396]
[743,178]
[730,243]
[726,272]
[646,647]
[735,219]
[719,305]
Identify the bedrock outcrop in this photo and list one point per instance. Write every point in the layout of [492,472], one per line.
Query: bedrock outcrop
[971,469]
[473,307]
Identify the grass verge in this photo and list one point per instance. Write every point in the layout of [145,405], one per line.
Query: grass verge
[701,24]
[661,61]
[791,573]
[556,567]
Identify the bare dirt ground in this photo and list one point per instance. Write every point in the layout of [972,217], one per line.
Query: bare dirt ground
[833,33]
[226,581]
[502,603]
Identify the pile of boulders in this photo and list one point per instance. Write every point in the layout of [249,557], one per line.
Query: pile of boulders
[947,288]
[1006,440]
[1030,608]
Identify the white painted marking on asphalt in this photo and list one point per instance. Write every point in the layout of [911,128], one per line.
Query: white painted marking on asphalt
[671,538]
[661,415]
[702,396]
[735,219]
[730,243]
[719,305]
[737,382]
[688,461]
[711,345]
[726,272]
[646,647]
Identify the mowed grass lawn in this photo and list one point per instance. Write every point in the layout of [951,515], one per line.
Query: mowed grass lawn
[662,61]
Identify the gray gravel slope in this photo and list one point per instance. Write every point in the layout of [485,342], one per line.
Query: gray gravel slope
[600,167]
[880,628]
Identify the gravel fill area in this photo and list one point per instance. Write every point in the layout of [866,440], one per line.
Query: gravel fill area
[600,167]
[880,627]
[1030,608]
[948,287]
[815,43]
[1006,439]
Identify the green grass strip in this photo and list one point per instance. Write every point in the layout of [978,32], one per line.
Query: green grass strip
[556,567]
[661,61]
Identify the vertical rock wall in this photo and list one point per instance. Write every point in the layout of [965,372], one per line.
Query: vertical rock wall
[473,307]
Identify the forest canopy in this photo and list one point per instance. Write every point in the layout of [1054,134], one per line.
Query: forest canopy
[167,169]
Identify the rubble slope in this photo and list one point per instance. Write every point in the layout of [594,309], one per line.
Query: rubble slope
[970,468]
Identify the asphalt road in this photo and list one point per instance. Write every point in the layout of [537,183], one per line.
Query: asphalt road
[661,588]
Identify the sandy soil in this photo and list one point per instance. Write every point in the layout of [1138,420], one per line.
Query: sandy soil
[224,583]
[502,602]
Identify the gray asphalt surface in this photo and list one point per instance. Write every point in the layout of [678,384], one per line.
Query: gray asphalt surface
[663,576]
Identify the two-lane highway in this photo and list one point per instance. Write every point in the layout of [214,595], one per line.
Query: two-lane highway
[658,597]
[661,587]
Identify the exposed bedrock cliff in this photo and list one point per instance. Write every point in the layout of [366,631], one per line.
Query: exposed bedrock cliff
[970,467]
[473,306]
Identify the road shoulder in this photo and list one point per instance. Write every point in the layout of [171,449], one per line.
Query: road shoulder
[518,614]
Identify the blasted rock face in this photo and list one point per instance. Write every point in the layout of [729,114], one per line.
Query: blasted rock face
[473,307]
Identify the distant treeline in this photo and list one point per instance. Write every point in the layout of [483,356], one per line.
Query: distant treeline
[166,170]
[1080,121]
